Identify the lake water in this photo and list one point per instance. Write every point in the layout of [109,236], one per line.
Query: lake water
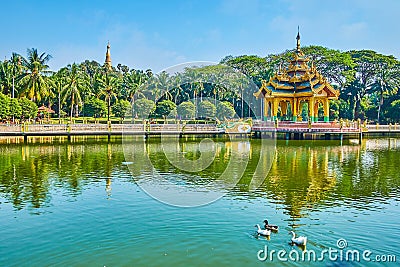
[86,204]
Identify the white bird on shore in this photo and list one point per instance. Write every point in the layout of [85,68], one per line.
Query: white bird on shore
[261,231]
[301,240]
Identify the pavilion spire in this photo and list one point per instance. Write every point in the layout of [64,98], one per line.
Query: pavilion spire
[108,56]
[298,39]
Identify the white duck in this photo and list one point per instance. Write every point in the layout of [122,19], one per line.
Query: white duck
[301,240]
[261,231]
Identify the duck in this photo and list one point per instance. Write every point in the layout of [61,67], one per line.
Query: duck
[301,240]
[261,231]
[270,226]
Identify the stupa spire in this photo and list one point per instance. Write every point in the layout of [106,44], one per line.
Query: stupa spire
[298,39]
[108,56]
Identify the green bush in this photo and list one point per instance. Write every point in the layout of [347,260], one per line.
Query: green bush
[206,109]
[225,110]
[121,108]
[95,107]
[144,108]
[186,110]
[15,108]
[29,109]
[165,108]
[4,106]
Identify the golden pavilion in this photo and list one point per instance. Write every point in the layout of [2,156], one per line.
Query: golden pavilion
[294,86]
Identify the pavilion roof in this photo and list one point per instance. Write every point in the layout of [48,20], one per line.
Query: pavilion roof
[298,79]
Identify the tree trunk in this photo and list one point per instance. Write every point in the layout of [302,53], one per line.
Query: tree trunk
[132,107]
[380,106]
[356,107]
[72,105]
[59,108]
[108,111]
[242,105]
[76,110]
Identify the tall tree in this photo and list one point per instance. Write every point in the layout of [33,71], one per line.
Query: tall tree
[75,84]
[108,85]
[16,66]
[35,82]
[366,70]
[5,77]
[387,80]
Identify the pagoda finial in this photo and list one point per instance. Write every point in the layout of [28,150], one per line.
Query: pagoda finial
[298,39]
[108,56]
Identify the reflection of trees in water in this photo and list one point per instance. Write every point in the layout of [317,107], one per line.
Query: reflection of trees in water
[307,174]
[372,172]
[28,172]
[303,174]
[148,155]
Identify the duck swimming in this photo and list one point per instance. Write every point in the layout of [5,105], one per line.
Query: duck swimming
[301,240]
[270,226]
[261,231]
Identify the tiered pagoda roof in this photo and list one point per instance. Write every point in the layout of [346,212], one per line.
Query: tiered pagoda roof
[298,79]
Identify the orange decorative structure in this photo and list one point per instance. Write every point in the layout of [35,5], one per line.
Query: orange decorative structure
[299,83]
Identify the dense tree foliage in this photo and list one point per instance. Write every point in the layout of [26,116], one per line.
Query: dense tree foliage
[225,110]
[165,108]
[206,109]
[121,108]
[186,110]
[368,82]
[95,108]
[12,108]
[143,108]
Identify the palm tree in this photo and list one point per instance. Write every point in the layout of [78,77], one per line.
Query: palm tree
[108,84]
[34,81]
[133,82]
[176,84]
[75,84]
[5,77]
[16,62]
[387,83]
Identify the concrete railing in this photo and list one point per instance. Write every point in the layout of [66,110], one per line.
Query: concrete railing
[93,128]
[307,127]
[383,128]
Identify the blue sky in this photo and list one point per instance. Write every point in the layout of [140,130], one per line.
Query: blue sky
[158,34]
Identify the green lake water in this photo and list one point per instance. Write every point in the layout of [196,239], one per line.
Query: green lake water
[82,204]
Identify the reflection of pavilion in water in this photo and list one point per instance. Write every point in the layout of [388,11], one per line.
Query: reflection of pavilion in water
[302,176]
